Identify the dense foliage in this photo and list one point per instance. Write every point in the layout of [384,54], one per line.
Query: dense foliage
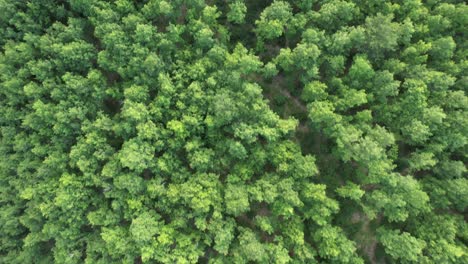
[184,131]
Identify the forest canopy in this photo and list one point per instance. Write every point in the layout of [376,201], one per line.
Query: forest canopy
[236,131]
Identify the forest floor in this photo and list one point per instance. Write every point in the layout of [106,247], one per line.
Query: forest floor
[366,237]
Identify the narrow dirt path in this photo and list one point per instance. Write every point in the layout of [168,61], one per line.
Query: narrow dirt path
[368,245]
[294,99]
[279,86]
